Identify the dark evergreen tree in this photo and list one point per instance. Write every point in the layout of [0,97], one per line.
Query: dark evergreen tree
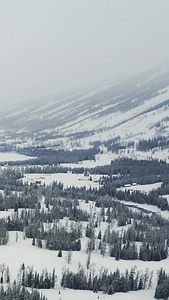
[60,253]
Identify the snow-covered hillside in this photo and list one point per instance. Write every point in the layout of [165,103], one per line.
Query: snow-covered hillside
[19,250]
[133,109]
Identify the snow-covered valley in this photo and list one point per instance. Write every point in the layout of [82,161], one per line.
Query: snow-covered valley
[84,188]
[19,248]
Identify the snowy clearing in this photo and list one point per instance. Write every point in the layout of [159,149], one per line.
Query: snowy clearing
[149,208]
[12,156]
[68,179]
[144,188]
[83,295]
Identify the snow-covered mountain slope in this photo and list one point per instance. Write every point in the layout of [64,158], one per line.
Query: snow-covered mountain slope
[133,109]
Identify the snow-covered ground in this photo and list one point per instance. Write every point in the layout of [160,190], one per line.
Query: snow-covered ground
[68,179]
[21,251]
[100,160]
[107,157]
[12,156]
[83,295]
[148,208]
[144,188]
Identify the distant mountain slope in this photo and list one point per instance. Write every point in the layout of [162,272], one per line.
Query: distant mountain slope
[134,109]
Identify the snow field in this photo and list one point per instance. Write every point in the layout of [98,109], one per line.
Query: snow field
[83,295]
[68,179]
[144,188]
[12,156]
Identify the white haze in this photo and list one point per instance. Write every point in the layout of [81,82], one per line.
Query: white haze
[56,46]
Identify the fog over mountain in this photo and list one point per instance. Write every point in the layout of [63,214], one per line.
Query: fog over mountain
[128,111]
[64,47]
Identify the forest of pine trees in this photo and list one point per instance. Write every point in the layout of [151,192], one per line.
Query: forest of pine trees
[142,235]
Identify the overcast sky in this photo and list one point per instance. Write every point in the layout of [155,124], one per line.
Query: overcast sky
[52,46]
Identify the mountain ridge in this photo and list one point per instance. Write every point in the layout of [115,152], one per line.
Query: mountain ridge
[134,109]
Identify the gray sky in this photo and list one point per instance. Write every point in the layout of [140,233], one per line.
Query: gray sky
[52,46]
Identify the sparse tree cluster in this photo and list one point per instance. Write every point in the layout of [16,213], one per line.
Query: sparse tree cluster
[109,283]
[146,145]
[17,291]
[32,279]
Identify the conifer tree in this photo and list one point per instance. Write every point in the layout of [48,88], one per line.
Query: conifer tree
[60,253]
